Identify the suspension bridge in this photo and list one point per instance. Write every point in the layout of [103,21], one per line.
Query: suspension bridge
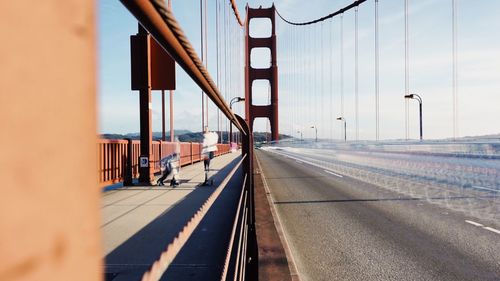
[364,172]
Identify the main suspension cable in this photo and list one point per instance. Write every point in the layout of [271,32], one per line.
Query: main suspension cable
[339,12]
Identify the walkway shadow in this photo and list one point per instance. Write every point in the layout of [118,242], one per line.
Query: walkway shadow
[204,252]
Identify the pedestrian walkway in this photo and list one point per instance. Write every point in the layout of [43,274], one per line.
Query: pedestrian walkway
[140,221]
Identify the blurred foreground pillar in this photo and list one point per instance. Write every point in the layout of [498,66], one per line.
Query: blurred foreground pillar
[49,202]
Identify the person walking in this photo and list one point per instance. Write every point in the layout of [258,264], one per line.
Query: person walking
[209,147]
[170,165]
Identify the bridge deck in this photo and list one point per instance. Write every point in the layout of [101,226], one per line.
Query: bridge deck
[139,222]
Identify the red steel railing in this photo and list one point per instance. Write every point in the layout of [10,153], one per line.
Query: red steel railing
[113,155]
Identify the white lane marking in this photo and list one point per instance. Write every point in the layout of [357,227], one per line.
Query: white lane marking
[474,223]
[485,188]
[484,227]
[492,229]
[332,173]
[301,160]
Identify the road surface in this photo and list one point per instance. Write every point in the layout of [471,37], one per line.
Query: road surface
[340,228]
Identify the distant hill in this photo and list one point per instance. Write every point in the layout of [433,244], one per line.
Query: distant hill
[493,136]
[187,136]
[263,136]
[135,136]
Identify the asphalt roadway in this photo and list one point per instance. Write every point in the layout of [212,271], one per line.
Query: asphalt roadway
[339,228]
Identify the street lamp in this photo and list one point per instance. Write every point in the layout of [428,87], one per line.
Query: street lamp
[300,135]
[314,127]
[419,99]
[233,100]
[345,127]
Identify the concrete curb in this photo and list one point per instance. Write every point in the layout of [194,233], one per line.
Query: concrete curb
[294,274]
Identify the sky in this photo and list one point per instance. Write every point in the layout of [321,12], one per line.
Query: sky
[310,82]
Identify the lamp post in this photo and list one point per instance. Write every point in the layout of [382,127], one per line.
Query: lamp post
[300,135]
[233,100]
[419,99]
[345,127]
[314,127]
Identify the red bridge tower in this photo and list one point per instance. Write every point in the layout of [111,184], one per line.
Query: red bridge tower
[256,111]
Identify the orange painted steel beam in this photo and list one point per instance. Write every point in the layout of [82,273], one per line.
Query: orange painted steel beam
[50,207]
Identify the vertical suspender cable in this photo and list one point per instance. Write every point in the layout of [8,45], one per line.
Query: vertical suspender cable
[455,72]
[202,59]
[330,76]
[288,76]
[377,70]
[233,26]
[206,55]
[315,76]
[223,59]
[294,78]
[297,77]
[292,89]
[230,56]
[356,98]
[342,67]
[309,84]
[312,76]
[407,75]
[171,103]
[304,78]
[217,58]
[296,94]
[226,39]
[322,75]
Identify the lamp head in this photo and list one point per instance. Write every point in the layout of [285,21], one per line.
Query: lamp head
[409,96]
[340,118]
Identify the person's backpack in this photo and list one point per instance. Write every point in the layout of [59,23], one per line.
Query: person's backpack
[168,167]
[166,164]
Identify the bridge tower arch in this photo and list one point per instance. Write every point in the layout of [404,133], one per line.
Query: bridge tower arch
[271,74]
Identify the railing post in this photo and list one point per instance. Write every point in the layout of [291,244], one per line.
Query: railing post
[191,152]
[127,176]
[160,151]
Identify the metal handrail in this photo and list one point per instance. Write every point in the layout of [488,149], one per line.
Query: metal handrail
[241,206]
[167,256]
